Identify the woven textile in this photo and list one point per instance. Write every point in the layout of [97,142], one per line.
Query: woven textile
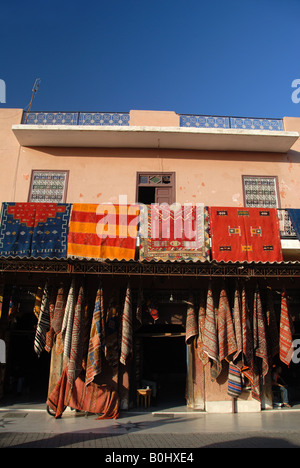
[247,333]
[96,341]
[65,336]
[174,233]
[50,333]
[259,334]
[294,215]
[76,351]
[38,230]
[245,234]
[59,309]
[201,326]
[249,369]
[103,232]
[93,398]
[237,320]
[210,337]
[286,332]
[38,302]
[273,334]
[234,381]
[226,336]
[43,325]
[126,340]
[191,327]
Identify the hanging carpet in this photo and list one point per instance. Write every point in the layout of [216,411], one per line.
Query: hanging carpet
[38,230]
[245,234]
[210,337]
[201,326]
[43,325]
[226,336]
[103,232]
[234,381]
[191,322]
[175,233]
[126,340]
[294,215]
[77,341]
[286,328]
[91,398]
[96,341]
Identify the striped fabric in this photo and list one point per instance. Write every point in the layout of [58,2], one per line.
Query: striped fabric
[272,327]
[96,341]
[286,332]
[97,399]
[237,320]
[126,341]
[65,336]
[201,326]
[226,336]
[43,325]
[76,351]
[103,232]
[234,381]
[259,334]
[210,337]
[59,309]
[38,302]
[191,322]
[246,331]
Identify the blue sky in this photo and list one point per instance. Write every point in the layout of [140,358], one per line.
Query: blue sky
[217,57]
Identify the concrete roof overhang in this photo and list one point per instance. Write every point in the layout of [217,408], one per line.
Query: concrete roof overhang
[217,139]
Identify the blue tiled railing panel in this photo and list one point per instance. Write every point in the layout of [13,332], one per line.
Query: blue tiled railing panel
[203,121]
[51,118]
[103,118]
[256,124]
[76,118]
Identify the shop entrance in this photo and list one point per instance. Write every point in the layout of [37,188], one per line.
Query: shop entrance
[26,375]
[164,369]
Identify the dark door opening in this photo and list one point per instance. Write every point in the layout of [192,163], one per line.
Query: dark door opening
[146,195]
[165,369]
[26,375]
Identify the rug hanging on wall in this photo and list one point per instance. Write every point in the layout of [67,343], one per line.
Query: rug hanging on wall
[38,230]
[175,233]
[245,234]
[103,232]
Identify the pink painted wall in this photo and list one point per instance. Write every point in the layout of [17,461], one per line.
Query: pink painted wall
[101,175]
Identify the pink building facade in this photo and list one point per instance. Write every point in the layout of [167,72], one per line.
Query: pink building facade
[157,157]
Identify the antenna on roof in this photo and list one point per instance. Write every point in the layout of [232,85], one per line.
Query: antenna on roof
[34,90]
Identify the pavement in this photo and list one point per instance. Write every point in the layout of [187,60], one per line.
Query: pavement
[178,430]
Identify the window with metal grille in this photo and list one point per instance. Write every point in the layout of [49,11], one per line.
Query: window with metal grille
[261,191]
[48,186]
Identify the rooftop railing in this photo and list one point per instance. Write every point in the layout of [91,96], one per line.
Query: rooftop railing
[122,119]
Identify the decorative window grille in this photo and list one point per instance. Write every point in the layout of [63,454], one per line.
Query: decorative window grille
[48,186]
[260,191]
